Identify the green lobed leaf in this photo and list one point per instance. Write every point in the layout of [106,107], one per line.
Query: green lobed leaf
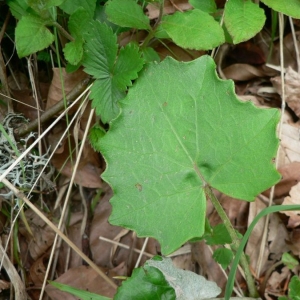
[223,256]
[113,73]
[290,7]
[70,6]
[208,6]
[78,25]
[193,29]
[294,288]
[127,13]
[243,19]
[27,45]
[84,295]
[182,127]
[218,236]
[147,283]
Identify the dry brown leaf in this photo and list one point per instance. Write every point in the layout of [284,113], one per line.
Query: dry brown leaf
[70,80]
[37,271]
[294,243]
[293,199]
[42,238]
[169,8]
[276,282]
[243,72]
[84,278]
[292,89]
[102,251]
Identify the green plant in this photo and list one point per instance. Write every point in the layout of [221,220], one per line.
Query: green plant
[168,146]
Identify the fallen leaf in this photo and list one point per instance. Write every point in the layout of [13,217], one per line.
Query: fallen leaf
[294,198]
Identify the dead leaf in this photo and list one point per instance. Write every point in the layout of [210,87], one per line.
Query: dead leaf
[294,199]
[42,238]
[84,278]
[292,89]
[70,80]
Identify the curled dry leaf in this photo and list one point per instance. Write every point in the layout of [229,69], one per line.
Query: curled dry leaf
[243,72]
[294,198]
[84,278]
[292,89]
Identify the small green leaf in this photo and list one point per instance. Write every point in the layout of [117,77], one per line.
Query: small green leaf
[70,6]
[243,19]
[42,36]
[127,13]
[169,141]
[41,5]
[223,256]
[78,25]
[294,288]
[113,74]
[289,260]
[127,66]
[150,55]
[290,7]
[193,29]
[187,285]
[208,6]
[147,283]
[219,236]
[96,133]
[18,8]
[84,295]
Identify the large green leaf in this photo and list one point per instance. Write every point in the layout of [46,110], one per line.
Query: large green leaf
[290,7]
[18,8]
[243,19]
[127,13]
[180,128]
[193,29]
[42,36]
[113,73]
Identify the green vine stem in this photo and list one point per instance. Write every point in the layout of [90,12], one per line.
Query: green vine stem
[235,240]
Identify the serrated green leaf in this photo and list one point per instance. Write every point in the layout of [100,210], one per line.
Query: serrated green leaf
[193,29]
[84,295]
[127,66]
[170,140]
[113,74]
[100,50]
[127,13]
[243,19]
[208,6]
[223,256]
[289,260]
[294,288]
[18,8]
[147,283]
[25,44]
[290,7]
[73,51]
[70,6]
[218,236]
[78,25]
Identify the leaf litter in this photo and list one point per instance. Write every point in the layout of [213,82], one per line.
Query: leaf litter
[116,259]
